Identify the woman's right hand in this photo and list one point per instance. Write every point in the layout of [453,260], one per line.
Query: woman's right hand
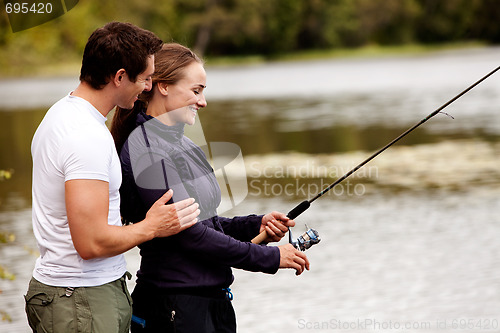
[168,220]
[290,257]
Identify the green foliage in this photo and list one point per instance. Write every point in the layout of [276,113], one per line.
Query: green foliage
[6,238]
[4,316]
[6,174]
[250,27]
[5,274]
[451,20]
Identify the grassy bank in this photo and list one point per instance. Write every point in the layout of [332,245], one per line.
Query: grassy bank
[362,52]
[45,66]
[419,167]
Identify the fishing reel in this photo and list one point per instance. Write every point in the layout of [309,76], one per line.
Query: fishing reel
[306,240]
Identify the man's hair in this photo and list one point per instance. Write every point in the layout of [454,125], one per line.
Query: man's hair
[115,46]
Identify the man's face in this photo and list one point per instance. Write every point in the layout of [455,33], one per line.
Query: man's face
[130,91]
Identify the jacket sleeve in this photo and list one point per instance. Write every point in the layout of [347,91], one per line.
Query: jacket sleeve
[132,207]
[243,228]
[201,239]
[220,248]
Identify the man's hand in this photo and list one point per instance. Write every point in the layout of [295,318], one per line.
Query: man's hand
[87,207]
[168,220]
[290,257]
[276,226]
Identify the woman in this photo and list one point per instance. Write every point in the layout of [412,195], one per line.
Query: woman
[183,281]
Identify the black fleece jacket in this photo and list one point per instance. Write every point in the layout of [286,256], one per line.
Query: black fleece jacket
[157,157]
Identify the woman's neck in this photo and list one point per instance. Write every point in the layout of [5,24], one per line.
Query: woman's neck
[158,111]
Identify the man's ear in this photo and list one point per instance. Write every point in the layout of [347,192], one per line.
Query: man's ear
[162,88]
[119,77]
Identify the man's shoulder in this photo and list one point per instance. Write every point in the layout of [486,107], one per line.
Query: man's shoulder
[75,116]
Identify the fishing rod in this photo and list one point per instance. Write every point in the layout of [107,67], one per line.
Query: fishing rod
[311,236]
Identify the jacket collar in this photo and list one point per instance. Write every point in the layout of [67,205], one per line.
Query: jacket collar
[175,132]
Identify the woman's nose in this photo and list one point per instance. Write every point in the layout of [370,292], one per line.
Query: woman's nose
[202,102]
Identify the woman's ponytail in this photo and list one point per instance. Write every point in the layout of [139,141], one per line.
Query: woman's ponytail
[124,122]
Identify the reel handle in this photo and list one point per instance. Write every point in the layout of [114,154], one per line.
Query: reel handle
[299,209]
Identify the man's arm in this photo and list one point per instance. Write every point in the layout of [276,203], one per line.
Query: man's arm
[87,206]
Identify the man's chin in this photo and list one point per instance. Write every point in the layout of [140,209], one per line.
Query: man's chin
[126,107]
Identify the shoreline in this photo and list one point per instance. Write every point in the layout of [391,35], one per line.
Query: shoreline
[293,79]
[72,68]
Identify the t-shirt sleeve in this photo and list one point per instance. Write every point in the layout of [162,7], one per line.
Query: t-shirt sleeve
[85,156]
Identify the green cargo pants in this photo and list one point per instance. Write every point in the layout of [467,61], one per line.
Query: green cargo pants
[101,309]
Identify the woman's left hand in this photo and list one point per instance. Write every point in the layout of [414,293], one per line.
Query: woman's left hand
[276,226]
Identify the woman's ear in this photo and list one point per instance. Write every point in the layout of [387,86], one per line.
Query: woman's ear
[119,77]
[162,88]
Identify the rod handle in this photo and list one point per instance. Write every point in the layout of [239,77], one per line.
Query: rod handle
[260,237]
[299,209]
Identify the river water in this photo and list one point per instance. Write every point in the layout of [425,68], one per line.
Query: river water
[410,242]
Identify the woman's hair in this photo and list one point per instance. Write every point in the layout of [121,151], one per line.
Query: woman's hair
[117,45]
[170,62]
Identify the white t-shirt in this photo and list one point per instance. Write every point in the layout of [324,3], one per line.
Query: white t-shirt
[72,142]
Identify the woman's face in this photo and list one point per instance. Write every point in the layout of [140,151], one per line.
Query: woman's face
[185,98]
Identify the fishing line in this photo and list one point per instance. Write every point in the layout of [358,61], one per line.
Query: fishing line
[311,236]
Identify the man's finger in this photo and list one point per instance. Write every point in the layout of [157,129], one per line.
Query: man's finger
[180,205]
[189,218]
[165,198]
[187,211]
[189,224]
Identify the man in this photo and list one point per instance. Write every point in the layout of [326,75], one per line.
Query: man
[78,283]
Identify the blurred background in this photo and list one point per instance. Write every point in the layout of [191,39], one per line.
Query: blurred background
[309,89]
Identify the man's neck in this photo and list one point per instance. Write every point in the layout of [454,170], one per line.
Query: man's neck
[101,99]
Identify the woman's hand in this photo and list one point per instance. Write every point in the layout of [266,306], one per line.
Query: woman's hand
[290,257]
[276,226]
